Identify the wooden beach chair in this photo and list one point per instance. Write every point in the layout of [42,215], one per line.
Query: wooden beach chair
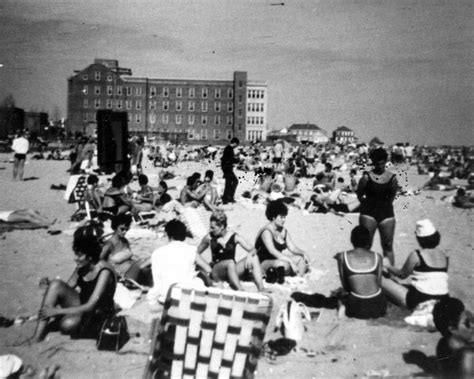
[208,333]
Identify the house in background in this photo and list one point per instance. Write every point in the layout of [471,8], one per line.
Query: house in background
[308,133]
[343,135]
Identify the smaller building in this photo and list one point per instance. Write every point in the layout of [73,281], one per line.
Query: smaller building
[308,133]
[343,135]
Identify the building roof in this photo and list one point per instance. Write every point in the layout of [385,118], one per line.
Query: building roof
[343,129]
[305,127]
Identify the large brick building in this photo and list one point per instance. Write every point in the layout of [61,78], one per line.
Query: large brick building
[203,111]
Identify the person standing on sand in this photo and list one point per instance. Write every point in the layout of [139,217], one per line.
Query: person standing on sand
[20,146]
[227,163]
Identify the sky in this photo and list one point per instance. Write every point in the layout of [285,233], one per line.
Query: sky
[396,69]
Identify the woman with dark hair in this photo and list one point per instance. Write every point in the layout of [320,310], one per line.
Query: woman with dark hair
[189,197]
[223,244]
[79,313]
[376,191]
[360,271]
[273,244]
[116,200]
[427,267]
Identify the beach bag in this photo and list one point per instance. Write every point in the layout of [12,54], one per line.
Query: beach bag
[290,320]
[113,334]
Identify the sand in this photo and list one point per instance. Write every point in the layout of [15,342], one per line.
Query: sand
[342,348]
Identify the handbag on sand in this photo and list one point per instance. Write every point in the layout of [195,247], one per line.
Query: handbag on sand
[113,334]
[290,320]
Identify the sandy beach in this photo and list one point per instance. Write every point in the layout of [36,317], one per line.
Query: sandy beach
[342,348]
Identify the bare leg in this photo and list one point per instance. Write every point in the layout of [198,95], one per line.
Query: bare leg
[255,268]
[300,264]
[386,231]
[29,215]
[227,271]
[15,168]
[395,292]
[58,293]
[21,166]
[370,224]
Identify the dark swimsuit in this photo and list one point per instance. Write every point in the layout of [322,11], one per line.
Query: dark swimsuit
[364,307]
[378,202]
[262,251]
[222,253]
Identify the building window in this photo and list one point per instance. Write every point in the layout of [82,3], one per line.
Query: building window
[109,90]
[152,105]
[240,112]
[217,120]
[191,106]
[139,91]
[203,120]
[85,77]
[230,120]
[216,134]
[165,119]
[152,118]
[241,83]
[85,103]
[97,103]
[192,92]
[119,104]
[230,107]
[109,78]
[203,133]
[229,134]
[217,106]
[138,105]
[261,94]
[129,91]
[97,75]
[166,91]
[217,93]
[179,106]
[166,105]
[204,106]
[179,92]
[128,104]
[119,90]
[109,104]
[191,119]
[85,90]
[190,134]
[240,98]
[249,107]
[204,93]
[230,93]
[138,118]
[84,117]
[97,90]
[178,119]
[153,91]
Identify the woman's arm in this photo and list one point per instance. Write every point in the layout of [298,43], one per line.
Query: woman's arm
[203,265]
[107,249]
[407,268]
[361,186]
[72,281]
[267,239]
[340,266]
[293,248]
[90,305]
[203,245]
[245,244]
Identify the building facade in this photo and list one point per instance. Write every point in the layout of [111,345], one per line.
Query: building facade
[202,111]
[343,135]
[309,133]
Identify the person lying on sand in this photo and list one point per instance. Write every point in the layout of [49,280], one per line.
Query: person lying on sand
[79,313]
[26,215]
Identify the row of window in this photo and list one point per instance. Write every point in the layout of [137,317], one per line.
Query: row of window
[255,120]
[307,132]
[255,107]
[128,104]
[165,91]
[217,134]
[255,94]
[254,135]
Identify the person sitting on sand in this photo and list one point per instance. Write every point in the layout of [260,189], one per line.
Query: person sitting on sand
[175,263]
[116,251]
[438,182]
[116,200]
[143,199]
[162,195]
[455,350]
[79,313]
[223,244]
[428,268]
[273,244]
[93,195]
[26,215]
[210,199]
[189,197]
[360,271]
[462,199]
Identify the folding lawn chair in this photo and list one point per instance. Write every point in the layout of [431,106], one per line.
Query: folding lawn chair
[208,333]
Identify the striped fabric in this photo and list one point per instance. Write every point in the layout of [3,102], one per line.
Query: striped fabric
[209,333]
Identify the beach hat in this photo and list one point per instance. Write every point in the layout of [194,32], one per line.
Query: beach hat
[424,228]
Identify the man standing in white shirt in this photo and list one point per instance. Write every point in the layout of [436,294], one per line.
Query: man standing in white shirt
[175,263]
[20,147]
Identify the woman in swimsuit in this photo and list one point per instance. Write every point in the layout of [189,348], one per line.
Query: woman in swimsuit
[273,242]
[80,313]
[116,251]
[360,271]
[376,191]
[223,244]
[427,267]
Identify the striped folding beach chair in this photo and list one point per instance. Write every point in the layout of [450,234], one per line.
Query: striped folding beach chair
[208,333]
